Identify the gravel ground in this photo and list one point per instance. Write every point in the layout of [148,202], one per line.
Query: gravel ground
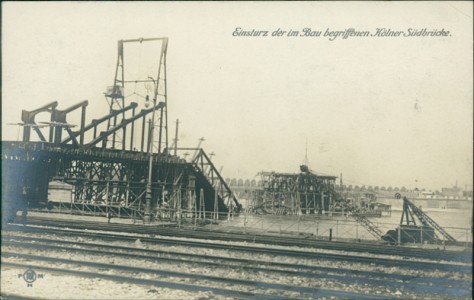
[54,286]
[94,288]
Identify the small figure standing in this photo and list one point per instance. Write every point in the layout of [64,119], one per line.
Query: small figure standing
[109,216]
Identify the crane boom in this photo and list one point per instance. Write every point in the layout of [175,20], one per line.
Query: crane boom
[426,220]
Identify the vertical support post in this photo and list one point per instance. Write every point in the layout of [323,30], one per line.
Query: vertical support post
[294,198]
[330,204]
[51,128]
[150,134]
[160,133]
[176,138]
[123,77]
[245,216]
[232,205]
[298,203]
[306,203]
[216,211]
[124,137]
[179,208]
[127,194]
[72,199]
[230,208]
[165,47]
[58,130]
[83,122]
[26,134]
[201,201]
[113,135]
[143,134]
[195,211]
[132,131]
[191,196]
[107,192]
[323,202]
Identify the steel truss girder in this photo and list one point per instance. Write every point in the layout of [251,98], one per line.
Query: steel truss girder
[96,122]
[116,178]
[28,118]
[55,133]
[104,135]
[58,119]
[207,171]
[118,182]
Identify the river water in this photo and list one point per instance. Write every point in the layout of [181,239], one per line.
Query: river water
[455,221]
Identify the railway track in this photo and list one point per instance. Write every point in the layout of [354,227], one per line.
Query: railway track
[441,285]
[203,239]
[387,262]
[140,281]
[305,241]
[449,288]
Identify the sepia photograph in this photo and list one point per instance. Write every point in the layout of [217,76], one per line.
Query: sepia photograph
[236,150]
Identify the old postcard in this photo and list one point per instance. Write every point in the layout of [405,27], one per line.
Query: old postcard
[228,150]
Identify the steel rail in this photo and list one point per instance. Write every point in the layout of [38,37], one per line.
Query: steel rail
[147,282]
[422,265]
[314,292]
[419,283]
[265,239]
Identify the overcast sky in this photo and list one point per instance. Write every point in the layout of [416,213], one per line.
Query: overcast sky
[379,110]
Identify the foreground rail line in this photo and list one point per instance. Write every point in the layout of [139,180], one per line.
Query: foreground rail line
[308,242]
[388,262]
[270,287]
[148,282]
[303,291]
[89,253]
[418,285]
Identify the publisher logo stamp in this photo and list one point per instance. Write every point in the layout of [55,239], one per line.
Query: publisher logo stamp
[30,276]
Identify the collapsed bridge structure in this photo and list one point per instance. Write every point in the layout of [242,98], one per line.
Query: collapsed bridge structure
[307,193]
[296,193]
[114,164]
